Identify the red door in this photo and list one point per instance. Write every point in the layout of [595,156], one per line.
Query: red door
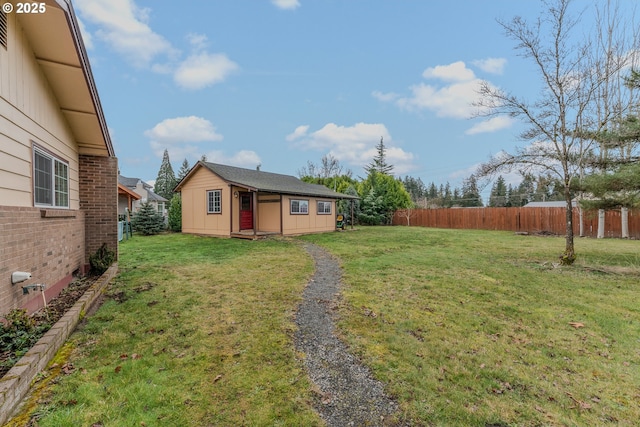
[246,211]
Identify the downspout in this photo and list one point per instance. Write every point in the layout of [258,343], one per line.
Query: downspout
[281,215]
[230,209]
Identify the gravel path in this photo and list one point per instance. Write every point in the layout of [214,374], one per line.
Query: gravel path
[349,396]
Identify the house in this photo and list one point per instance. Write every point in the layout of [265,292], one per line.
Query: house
[58,170]
[228,201]
[145,193]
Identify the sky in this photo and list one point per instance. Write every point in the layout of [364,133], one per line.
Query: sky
[277,83]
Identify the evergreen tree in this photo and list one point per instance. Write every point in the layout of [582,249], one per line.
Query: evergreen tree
[415,187]
[175,213]
[382,196]
[617,189]
[447,200]
[166,180]
[147,220]
[184,170]
[498,196]
[470,193]
[379,163]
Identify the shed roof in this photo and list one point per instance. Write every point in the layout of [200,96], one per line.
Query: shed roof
[266,181]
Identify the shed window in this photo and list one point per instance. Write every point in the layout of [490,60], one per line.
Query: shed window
[299,207]
[214,201]
[50,180]
[324,208]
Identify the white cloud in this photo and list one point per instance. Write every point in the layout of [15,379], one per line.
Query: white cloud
[455,100]
[243,158]
[455,72]
[87,38]
[203,69]
[183,130]
[354,145]
[298,133]
[124,26]
[286,4]
[491,65]
[198,41]
[385,97]
[492,125]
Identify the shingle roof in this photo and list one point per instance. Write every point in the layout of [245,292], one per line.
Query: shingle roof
[133,182]
[272,182]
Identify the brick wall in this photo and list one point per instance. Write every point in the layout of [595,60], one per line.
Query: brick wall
[99,201]
[48,243]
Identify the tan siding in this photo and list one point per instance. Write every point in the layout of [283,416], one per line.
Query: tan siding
[29,113]
[195,218]
[311,223]
[269,213]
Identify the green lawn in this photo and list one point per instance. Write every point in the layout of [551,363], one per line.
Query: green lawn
[481,328]
[470,328]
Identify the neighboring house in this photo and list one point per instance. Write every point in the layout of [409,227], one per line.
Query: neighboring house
[126,197]
[145,191]
[227,201]
[58,170]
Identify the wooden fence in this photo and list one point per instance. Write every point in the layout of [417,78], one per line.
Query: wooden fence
[530,220]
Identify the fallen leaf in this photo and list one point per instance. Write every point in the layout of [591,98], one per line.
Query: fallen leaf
[577,325]
[118,369]
[217,378]
[124,356]
[136,356]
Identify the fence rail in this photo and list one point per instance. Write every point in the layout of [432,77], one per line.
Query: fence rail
[519,219]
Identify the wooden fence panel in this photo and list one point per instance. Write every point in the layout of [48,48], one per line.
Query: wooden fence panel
[530,220]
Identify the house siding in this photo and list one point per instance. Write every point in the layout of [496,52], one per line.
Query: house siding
[51,244]
[30,114]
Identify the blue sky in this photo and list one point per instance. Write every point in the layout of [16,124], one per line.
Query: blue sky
[280,82]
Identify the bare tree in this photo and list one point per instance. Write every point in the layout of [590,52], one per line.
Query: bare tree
[329,167]
[573,72]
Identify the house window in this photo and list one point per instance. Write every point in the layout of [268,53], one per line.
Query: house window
[324,208]
[161,207]
[214,201]
[50,180]
[299,207]
[3,29]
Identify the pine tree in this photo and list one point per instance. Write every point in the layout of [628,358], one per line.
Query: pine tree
[470,193]
[147,220]
[379,163]
[498,196]
[184,170]
[166,180]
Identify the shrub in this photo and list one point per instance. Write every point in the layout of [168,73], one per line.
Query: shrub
[175,213]
[101,260]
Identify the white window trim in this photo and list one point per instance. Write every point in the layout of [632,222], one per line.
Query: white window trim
[214,211]
[324,203]
[301,202]
[52,185]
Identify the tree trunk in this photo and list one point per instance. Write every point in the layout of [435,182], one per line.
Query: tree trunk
[624,217]
[569,255]
[600,223]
